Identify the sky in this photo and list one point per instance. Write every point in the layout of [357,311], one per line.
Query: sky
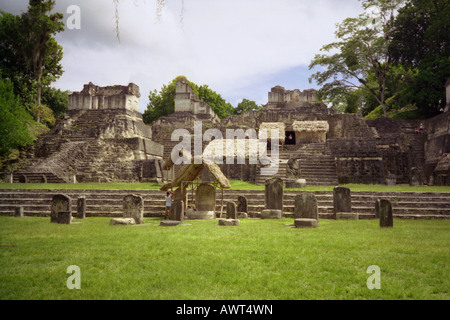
[239,48]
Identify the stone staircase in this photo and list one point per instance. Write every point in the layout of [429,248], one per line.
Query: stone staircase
[279,172]
[317,165]
[108,203]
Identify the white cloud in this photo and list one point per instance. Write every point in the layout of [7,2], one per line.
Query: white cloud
[234,46]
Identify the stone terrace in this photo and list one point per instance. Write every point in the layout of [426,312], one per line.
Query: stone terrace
[109,202]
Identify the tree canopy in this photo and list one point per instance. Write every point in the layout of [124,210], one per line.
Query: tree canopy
[394,55]
[420,41]
[30,56]
[361,49]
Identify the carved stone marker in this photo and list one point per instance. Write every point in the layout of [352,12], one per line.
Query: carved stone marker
[306,206]
[133,207]
[242,205]
[385,213]
[205,203]
[60,203]
[205,197]
[231,210]
[178,210]
[342,201]
[81,208]
[415,178]
[18,212]
[64,217]
[274,193]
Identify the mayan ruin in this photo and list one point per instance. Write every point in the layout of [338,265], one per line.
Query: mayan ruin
[227,157]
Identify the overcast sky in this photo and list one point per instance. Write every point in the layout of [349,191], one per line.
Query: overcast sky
[240,48]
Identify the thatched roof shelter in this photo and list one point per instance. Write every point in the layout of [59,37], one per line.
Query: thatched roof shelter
[310,126]
[168,164]
[190,172]
[273,126]
[220,148]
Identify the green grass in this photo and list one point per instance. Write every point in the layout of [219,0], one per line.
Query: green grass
[260,259]
[235,185]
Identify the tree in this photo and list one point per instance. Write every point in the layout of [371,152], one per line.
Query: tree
[14,120]
[30,55]
[362,48]
[420,41]
[247,105]
[220,106]
[56,100]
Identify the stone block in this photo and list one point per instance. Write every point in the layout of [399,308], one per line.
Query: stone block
[122,221]
[169,223]
[305,223]
[347,216]
[229,222]
[242,215]
[297,183]
[197,215]
[271,214]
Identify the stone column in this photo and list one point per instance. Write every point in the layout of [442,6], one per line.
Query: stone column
[178,210]
[81,207]
[274,199]
[231,210]
[385,213]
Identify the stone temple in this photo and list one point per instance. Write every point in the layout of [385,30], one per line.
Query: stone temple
[103,138]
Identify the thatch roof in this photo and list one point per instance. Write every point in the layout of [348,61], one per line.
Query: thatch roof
[220,148]
[310,126]
[280,126]
[169,162]
[190,172]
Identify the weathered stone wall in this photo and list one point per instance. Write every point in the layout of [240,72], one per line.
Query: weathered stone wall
[437,146]
[357,160]
[93,97]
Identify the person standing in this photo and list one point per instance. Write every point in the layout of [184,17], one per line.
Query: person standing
[168,198]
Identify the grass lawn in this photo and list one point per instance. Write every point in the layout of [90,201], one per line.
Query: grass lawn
[260,259]
[235,185]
